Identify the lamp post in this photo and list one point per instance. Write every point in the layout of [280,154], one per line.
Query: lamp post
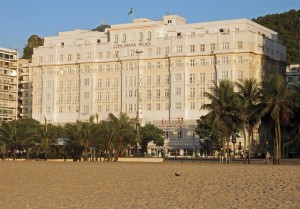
[138,103]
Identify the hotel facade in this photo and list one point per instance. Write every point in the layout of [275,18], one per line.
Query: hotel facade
[157,71]
[8,84]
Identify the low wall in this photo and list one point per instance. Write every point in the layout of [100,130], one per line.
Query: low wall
[140,159]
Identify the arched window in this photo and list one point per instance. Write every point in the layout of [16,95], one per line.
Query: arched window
[124,37]
[116,38]
[141,36]
[149,35]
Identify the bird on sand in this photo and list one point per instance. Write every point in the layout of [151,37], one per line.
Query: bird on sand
[177,174]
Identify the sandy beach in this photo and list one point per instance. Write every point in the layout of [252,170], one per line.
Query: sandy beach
[40,184]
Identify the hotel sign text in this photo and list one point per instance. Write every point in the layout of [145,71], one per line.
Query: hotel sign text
[131,45]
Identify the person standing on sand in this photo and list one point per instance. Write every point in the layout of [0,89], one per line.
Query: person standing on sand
[268,156]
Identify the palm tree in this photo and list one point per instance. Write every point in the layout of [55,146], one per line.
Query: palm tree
[46,138]
[223,109]
[13,136]
[276,104]
[82,134]
[122,132]
[249,95]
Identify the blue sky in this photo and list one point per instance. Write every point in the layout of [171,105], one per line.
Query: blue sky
[19,19]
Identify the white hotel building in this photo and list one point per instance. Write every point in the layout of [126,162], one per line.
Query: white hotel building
[79,73]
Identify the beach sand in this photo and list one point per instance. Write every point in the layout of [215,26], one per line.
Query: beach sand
[41,185]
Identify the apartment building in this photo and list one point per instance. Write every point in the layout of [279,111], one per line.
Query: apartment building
[8,84]
[157,71]
[25,89]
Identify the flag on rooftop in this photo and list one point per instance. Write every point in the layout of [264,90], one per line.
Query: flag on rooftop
[130,11]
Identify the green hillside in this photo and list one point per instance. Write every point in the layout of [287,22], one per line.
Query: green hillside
[287,25]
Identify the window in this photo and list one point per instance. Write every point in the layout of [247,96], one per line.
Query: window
[167,79]
[107,55]
[68,84]
[225,45]
[157,93]
[68,97]
[192,105]
[99,108]
[149,106]
[86,95]
[107,82]
[239,60]
[240,75]
[68,110]
[202,62]
[179,34]
[86,81]
[167,93]
[224,60]
[50,58]
[192,78]
[202,77]
[141,36]
[192,62]
[99,96]
[124,37]
[177,105]
[225,74]
[48,84]
[157,106]
[60,98]
[192,48]
[148,80]
[157,65]
[167,50]
[116,38]
[62,44]
[148,94]
[77,56]
[116,82]
[201,92]
[148,35]
[148,65]
[177,91]
[157,80]
[107,96]
[177,77]
[116,95]
[158,51]
[88,55]
[60,85]
[69,57]
[212,47]
[99,55]
[202,47]
[177,63]
[48,109]
[167,105]
[179,48]
[60,109]
[61,58]
[86,109]
[240,44]
[48,97]
[98,41]
[192,92]
[76,96]
[149,51]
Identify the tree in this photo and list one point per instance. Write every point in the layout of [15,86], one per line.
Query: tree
[14,136]
[287,26]
[249,95]
[122,132]
[149,133]
[223,109]
[276,107]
